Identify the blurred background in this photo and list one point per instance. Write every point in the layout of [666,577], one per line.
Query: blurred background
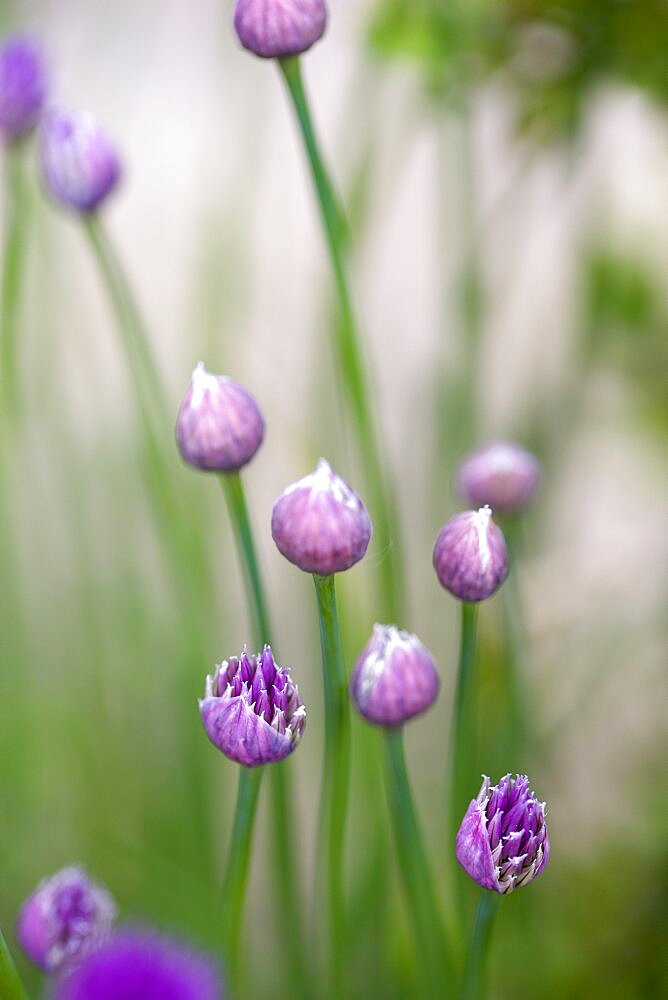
[504,169]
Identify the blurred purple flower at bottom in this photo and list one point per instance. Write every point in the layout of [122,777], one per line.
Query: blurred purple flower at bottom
[23,86]
[80,165]
[502,842]
[142,965]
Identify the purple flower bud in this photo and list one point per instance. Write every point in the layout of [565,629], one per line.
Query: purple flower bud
[23,86]
[502,842]
[320,524]
[277,28]
[470,555]
[63,919]
[395,677]
[502,475]
[141,965]
[219,426]
[80,166]
[251,709]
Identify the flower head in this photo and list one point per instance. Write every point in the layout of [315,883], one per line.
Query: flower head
[219,426]
[395,677]
[141,965]
[64,918]
[251,709]
[320,524]
[503,475]
[502,842]
[23,86]
[279,28]
[470,555]
[80,166]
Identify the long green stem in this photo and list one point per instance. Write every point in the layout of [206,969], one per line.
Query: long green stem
[415,869]
[283,834]
[236,872]
[464,742]
[11,987]
[348,351]
[334,802]
[16,206]
[474,972]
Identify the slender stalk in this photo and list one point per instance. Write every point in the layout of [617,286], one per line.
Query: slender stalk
[11,987]
[464,742]
[348,351]
[334,802]
[474,972]
[16,207]
[282,833]
[418,880]
[236,872]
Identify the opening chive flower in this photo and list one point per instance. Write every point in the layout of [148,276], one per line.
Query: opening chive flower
[66,916]
[252,710]
[395,677]
[23,86]
[502,842]
[80,165]
[470,556]
[219,426]
[320,524]
[502,474]
[279,28]
[142,965]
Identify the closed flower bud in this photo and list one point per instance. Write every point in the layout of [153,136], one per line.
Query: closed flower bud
[320,524]
[279,28]
[502,475]
[80,166]
[251,709]
[219,427]
[502,842]
[470,555]
[63,919]
[142,965]
[23,86]
[395,677]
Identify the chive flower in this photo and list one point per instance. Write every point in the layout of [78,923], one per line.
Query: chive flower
[80,164]
[503,475]
[470,556]
[141,965]
[320,524]
[279,28]
[502,842]
[219,426]
[251,709]
[66,916]
[395,678]
[23,86]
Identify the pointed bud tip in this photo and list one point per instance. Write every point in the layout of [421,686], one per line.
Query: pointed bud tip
[470,556]
[395,677]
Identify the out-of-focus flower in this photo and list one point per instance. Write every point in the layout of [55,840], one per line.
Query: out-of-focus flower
[279,28]
[64,918]
[141,965]
[80,165]
[470,556]
[320,524]
[219,426]
[502,842]
[23,86]
[251,709]
[503,475]
[395,678]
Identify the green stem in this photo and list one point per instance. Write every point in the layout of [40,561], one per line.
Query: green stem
[348,351]
[415,869]
[336,768]
[464,739]
[11,987]
[283,835]
[16,206]
[236,872]
[474,972]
